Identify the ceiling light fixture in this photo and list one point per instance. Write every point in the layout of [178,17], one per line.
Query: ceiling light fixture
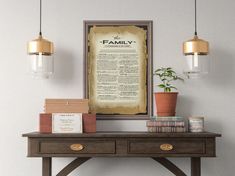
[195,49]
[41,52]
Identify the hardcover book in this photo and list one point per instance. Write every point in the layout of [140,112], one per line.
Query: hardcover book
[168,118]
[165,123]
[167,129]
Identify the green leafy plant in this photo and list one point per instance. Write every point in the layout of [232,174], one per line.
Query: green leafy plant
[167,76]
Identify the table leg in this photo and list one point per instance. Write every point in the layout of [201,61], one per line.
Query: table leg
[46,166]
[195,166]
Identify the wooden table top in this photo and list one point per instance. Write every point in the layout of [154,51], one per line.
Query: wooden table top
[121,134]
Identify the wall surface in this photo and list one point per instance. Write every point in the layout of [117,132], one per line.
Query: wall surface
[22,97]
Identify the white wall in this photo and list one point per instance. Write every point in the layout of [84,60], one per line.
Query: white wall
[22,97]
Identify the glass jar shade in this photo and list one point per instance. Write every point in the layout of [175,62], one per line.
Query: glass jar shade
[41,52]
[197,65]
[42,66]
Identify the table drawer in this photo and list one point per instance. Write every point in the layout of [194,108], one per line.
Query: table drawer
[77,146]
[167,146]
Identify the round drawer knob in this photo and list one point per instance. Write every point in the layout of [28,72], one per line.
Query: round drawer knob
[76,147]
[166,147]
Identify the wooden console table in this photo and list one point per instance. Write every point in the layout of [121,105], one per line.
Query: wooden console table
[158,146]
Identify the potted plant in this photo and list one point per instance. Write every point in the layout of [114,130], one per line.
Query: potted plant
[166,101]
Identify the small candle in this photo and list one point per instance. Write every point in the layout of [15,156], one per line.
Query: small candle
[196,124]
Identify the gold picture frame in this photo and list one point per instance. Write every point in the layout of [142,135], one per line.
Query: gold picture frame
[118,69]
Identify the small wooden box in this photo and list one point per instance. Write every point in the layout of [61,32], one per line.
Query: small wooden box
[89,123]
[66,106]
[45,123]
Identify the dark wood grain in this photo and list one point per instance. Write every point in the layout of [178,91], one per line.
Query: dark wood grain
[46,166]
[170,166]
[195,166]
[179,146]
[71,166]
[89,147]
[122,134]
[123,144]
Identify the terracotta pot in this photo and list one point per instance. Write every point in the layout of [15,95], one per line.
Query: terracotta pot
[166,103]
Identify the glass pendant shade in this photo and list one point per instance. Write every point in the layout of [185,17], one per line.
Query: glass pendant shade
[197,65]
[196,51]
[41,52]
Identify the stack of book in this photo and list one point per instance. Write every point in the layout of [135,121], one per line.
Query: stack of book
[66,116]
[167,125]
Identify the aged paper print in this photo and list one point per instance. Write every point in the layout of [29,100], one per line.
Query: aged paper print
[117,61]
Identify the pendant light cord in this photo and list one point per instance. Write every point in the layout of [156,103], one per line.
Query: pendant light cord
[40,32]
[195,8]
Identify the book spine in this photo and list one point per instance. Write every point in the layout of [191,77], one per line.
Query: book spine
[165,123]
[169,119]
[167,129]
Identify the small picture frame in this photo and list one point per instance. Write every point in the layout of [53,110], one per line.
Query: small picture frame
[67,123]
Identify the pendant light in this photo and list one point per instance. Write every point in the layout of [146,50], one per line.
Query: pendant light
[195,51]
[41,52]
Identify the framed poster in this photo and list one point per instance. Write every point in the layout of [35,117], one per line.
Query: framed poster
[118,68]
